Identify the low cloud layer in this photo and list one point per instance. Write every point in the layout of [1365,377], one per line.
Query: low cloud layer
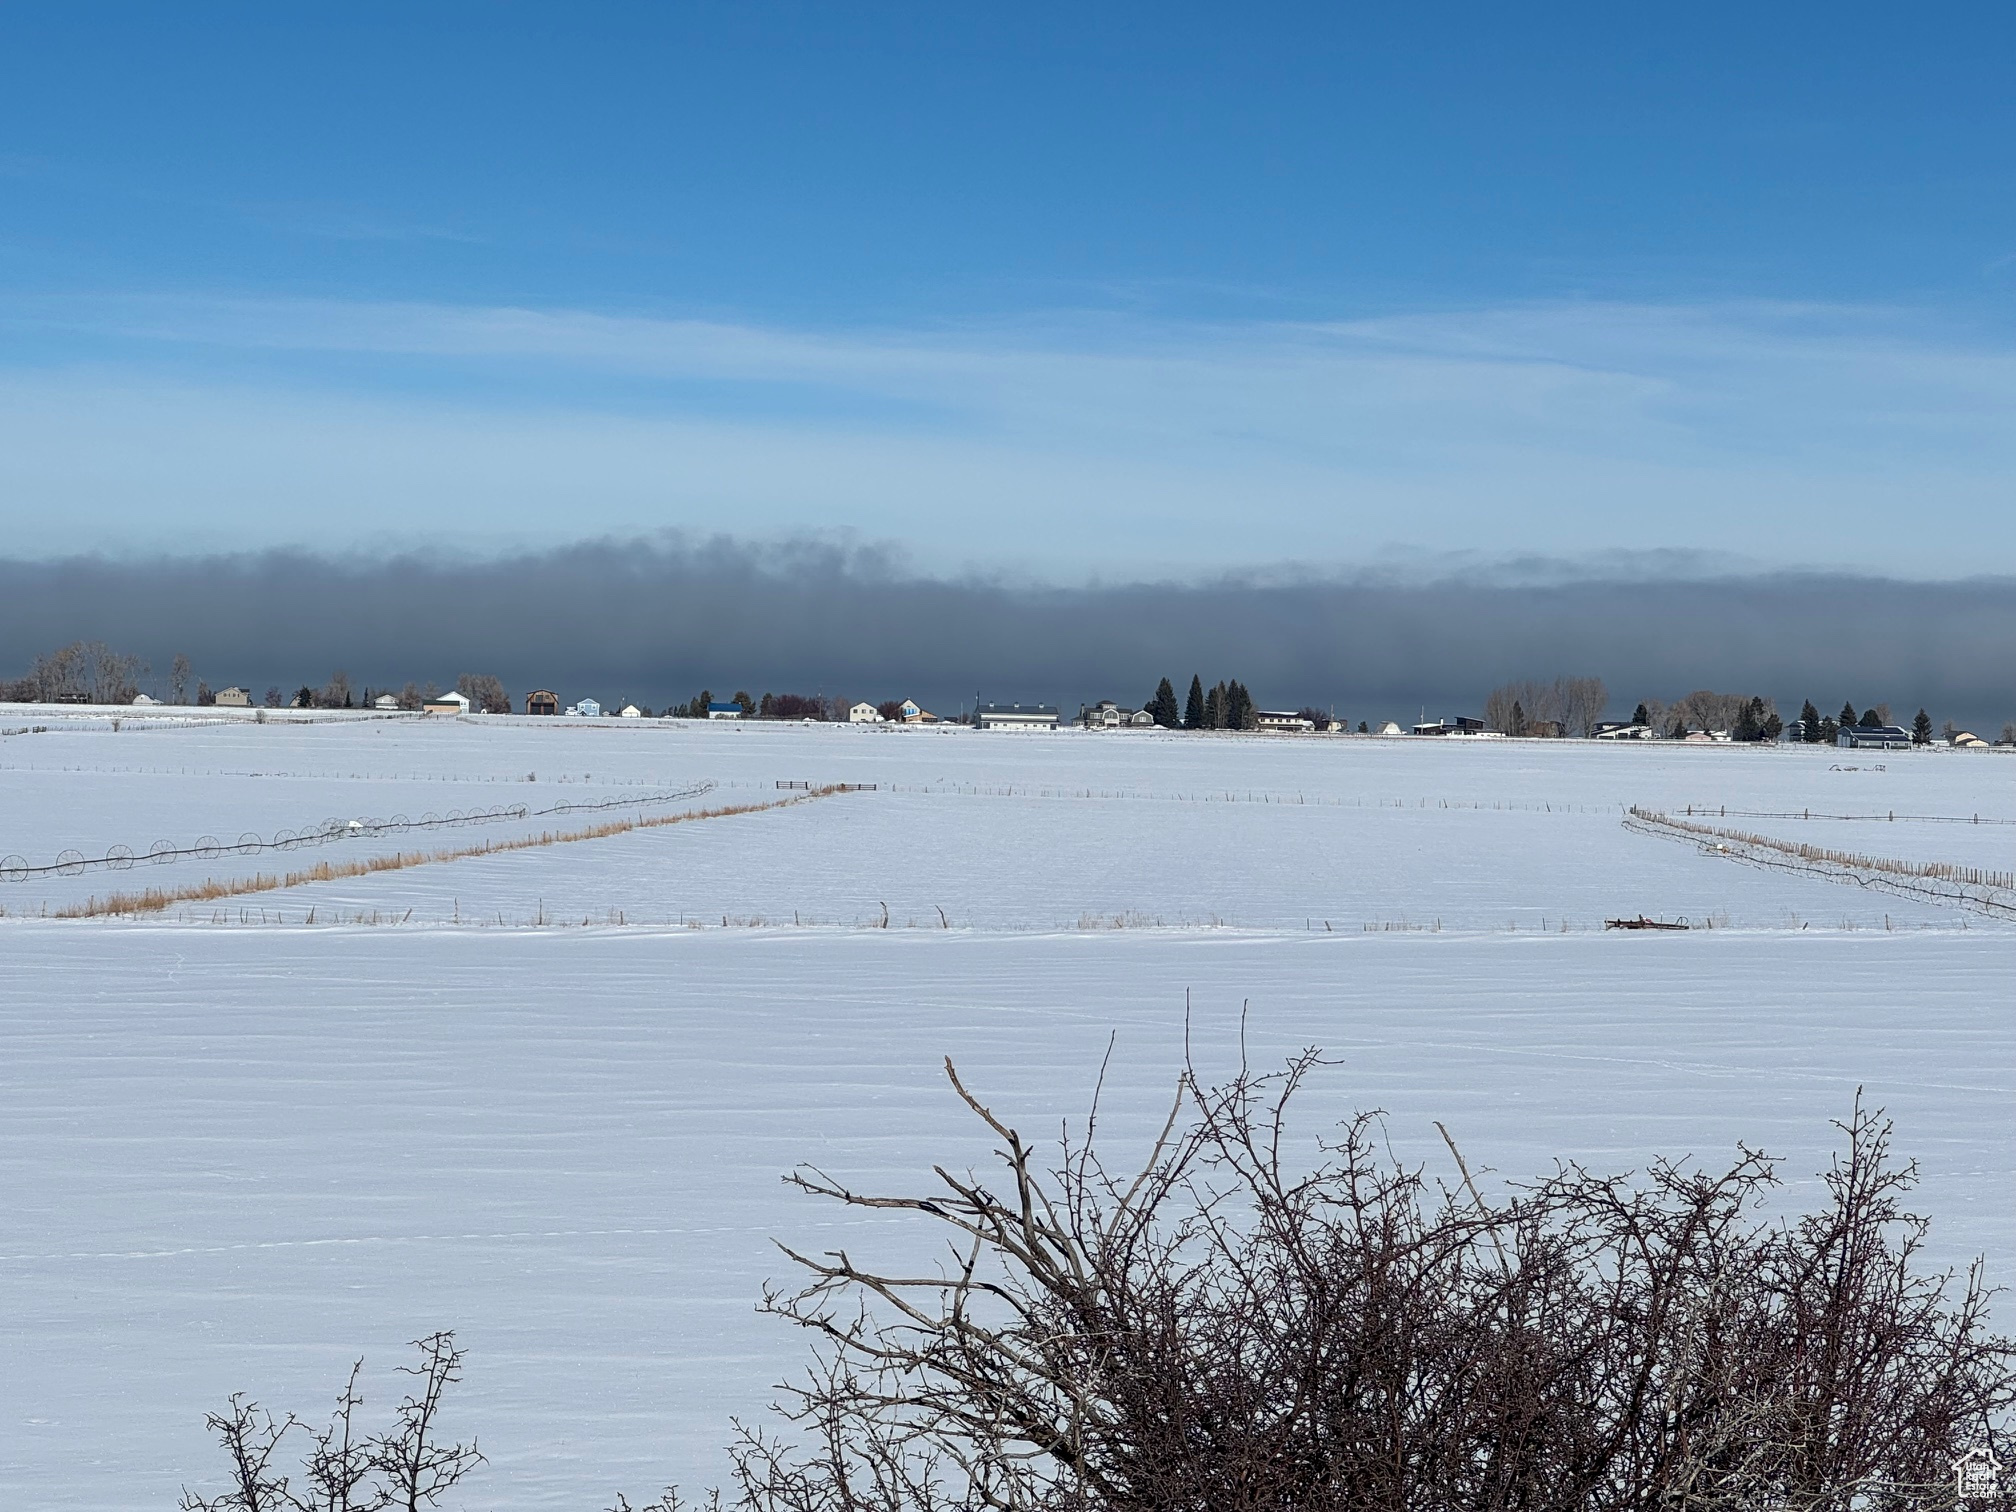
[656,620]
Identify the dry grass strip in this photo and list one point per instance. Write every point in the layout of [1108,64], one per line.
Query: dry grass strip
[155,899]
[1942,871]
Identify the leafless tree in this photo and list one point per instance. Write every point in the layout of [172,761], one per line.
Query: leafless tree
[485,693]
[1566,706]
[178,679]
[336,693]
[406,1468]
[1705,710]
[85,672]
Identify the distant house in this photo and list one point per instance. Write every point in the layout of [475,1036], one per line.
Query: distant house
[1282,722]
[996,716]
[1461,725]
[386,702]
[1389,728]
[1622,729]
[1105,714]
[142,701]
[724,711]
[864,713]
[1968,740]
[586,709]
[542,701]
[446,703]
[234,698]
[1880,737]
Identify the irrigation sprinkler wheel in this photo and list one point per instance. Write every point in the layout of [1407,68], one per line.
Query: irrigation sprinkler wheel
[120,858]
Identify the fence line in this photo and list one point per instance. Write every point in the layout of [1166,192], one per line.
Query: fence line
[158,899]
[1991,892]
[1890,817]
[73,863]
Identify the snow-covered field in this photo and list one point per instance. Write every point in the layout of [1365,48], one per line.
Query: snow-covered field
[546,1098]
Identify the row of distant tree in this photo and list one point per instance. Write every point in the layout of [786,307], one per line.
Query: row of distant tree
[92,672]
[1574,706]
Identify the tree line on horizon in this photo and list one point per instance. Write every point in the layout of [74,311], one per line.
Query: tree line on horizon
[93,672]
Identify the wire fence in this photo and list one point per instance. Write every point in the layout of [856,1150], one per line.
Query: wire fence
[1970,887]
[73,863]
[1890,816]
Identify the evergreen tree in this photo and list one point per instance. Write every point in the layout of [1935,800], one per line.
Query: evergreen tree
[1238,707]
[1809,720]
[305,699]
[1773,726]
[1214,707]
[1921,729]
[1829,732]
[1871,720]
[1364,728]
[1193,707]
[1847,715]
[1679,731]
[1746,724]
[1163,706]
[1641,715]
[1518,720]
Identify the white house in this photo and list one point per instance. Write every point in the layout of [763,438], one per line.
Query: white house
[631,711]
[142,701]
[724,711]
[1389,728]
[388,702]
[864,713]
[450,702]
[997,716]
[1283,722]
[234,698]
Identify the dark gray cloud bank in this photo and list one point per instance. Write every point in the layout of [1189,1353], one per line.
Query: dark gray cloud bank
[655,620]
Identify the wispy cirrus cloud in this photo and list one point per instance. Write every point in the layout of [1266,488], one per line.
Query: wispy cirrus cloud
[1063,441]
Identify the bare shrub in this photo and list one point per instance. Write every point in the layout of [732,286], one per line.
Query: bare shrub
[1228,1327]
[408,1467]
[1222,1329]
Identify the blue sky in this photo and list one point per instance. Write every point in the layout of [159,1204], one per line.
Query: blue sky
[1146,290]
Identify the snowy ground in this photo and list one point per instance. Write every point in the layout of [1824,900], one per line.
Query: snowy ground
[236,1151]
